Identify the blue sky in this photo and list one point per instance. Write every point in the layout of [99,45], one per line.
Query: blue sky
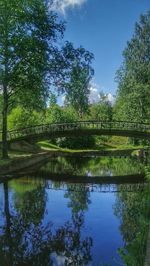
[103,27]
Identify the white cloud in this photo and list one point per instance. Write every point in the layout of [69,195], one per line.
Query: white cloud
[62,5]
[62,101]
[95,96]
[111,98]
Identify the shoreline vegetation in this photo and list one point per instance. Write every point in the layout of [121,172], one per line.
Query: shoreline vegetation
[36,154]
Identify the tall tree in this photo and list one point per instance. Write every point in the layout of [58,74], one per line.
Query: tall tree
[134,75]
[77,92]
[28,33]
[78,72]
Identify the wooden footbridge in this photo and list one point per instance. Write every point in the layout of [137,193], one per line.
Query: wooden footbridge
[80,128]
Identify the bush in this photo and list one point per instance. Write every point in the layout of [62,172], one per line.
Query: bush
[21,118]
[58,114]
[77,142]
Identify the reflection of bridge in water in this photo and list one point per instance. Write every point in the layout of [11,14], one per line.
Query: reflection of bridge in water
[128,183]
[102,188]
[80,128]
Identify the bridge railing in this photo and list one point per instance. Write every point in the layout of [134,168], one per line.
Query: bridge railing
[82,125]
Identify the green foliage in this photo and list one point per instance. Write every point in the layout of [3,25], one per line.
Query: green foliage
[134,211]
[21,118]
[70,114]
[26,42]
[77,142]
[101,111]
[78,90]
[53,99]
[119,109]
[79,73]
[28,36]
[133,97]
[56,113]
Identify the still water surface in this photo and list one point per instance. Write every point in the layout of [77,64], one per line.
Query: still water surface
[43,222]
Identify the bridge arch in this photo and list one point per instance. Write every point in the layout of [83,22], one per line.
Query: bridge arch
[80,128]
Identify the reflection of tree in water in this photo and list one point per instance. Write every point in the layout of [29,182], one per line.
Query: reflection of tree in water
[133,209]
[95,166]
[31,204]
[79,199]
[78,202]
[69,245]
[26,241]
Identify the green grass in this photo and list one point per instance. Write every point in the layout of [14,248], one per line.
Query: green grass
[47,145]
[122,143]
[110,146]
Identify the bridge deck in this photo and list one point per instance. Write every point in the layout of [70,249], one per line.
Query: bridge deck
[79,128]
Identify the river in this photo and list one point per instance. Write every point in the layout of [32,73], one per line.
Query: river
[48,220]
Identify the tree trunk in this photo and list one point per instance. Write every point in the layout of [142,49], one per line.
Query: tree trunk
[4,133]
[8,225]
[5,85]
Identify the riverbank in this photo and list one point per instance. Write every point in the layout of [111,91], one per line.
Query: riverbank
[19,162]
[23,155]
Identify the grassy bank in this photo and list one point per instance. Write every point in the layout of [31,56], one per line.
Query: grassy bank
[115,143]
[112,145]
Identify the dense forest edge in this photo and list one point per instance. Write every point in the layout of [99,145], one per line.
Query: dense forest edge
[37,73]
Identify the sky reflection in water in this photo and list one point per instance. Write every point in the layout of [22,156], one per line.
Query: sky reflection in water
[51,223]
